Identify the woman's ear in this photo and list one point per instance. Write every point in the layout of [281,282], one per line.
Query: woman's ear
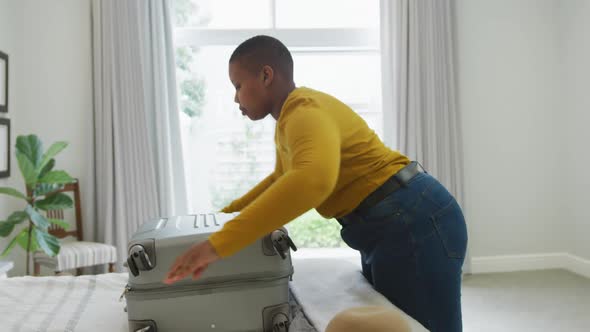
[267,75]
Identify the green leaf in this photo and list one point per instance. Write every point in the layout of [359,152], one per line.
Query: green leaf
[18,217]
[37,219]
[57,177]
[46,188]
[53,150]
[59,201]
[12,192]
[27,169]
[61,223]
[9,247]
[14,219]
[48,167]
[47,242]
[31,147]
[6,228]
[23,240]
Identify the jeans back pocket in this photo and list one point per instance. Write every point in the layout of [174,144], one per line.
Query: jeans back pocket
[449,223]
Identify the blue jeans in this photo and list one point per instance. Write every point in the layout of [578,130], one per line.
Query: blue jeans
[412,246]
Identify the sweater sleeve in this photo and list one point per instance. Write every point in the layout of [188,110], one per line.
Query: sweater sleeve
[313,141]
[242,202]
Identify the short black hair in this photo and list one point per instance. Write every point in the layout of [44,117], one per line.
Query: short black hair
[261,50]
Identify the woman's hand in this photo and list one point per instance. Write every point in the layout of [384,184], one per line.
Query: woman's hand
[194,261]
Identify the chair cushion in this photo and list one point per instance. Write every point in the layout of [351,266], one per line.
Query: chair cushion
[77,254]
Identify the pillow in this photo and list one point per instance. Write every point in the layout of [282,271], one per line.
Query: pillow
[368,319]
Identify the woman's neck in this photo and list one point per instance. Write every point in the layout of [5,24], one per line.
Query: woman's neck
[284,93]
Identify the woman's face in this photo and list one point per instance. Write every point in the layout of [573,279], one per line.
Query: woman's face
[252,93]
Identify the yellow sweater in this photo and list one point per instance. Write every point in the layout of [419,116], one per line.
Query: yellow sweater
[327,159]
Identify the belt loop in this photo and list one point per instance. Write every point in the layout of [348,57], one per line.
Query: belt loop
[402,184]
[422,167]
[402,178]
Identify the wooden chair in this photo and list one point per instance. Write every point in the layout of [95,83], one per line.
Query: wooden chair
[73,254]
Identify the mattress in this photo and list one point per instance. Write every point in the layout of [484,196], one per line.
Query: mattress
[320,289]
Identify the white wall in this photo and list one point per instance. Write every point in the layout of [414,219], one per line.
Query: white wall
[6,46]
[51,87]
[507,81]
[574,107]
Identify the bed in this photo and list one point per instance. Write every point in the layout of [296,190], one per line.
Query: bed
[320,289]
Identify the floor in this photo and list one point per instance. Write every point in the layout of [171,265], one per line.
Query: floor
[549,300]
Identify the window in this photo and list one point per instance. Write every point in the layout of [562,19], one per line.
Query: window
[335,51]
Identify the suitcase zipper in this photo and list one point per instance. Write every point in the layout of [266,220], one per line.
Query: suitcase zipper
[125,291]
[186,288]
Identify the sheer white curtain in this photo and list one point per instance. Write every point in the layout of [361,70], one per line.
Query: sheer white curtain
[419,85]
[139,172]
[417,45]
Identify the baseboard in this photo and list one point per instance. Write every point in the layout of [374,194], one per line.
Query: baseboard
[512,263]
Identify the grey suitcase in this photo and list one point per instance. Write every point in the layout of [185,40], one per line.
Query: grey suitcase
[245,292]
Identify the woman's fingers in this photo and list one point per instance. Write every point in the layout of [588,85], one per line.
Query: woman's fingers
[194,261]
[179,270]
[175,276]
[199,271]
[183,271]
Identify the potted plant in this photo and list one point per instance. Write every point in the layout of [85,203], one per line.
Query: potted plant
[42,184]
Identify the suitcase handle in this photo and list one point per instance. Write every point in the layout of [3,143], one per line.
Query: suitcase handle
[282,242]
[137,252]
[132,266]
[145,260]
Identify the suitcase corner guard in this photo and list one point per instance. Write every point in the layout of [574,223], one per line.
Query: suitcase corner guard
[276,318]
[142,326]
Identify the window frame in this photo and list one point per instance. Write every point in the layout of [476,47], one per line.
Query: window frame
[315,41]
[341,38]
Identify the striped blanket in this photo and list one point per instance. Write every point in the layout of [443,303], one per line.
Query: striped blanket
[85,303]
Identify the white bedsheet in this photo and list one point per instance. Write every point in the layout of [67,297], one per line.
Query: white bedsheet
[323,287]
[91,303]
